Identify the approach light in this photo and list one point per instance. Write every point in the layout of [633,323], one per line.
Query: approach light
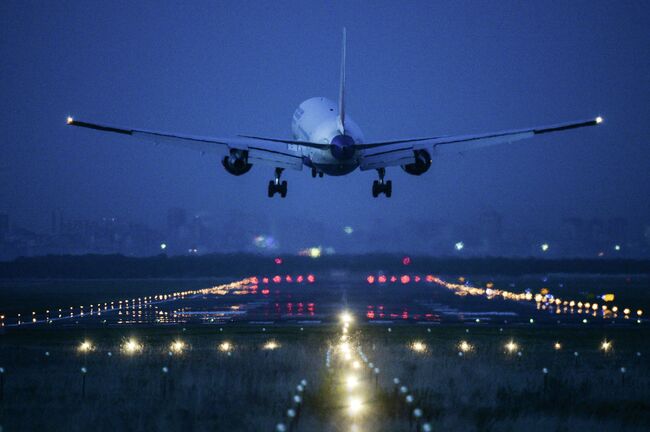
[85,347]
[225,347]
[177,346]
[351,382]
[418,346]
[131,346]
[271,345]
[465,346]
[346,317]
[606,345]
[354,405]
[511,347]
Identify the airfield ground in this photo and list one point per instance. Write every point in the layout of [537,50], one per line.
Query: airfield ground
[241,354]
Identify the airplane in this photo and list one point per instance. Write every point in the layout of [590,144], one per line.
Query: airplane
[327,140]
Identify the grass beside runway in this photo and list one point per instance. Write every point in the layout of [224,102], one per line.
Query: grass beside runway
[487,388]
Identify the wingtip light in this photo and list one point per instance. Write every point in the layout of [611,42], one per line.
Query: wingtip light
[69,120]
[599,120]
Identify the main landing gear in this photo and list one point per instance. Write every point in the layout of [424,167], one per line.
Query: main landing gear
[275,186]
[380,186]
[315,172]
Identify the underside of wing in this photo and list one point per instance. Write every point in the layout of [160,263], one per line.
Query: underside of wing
[391,153]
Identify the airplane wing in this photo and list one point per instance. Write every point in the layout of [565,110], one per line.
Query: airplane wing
[259,151]
[400,152]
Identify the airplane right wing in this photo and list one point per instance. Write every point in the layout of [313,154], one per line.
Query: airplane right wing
[401,152]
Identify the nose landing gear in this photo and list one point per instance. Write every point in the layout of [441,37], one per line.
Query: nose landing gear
[315,172]
[275,186]
[380,186]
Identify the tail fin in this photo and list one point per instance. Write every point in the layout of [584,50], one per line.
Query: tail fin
[341,119]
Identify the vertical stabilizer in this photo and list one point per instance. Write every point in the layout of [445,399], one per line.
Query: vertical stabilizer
[341,120]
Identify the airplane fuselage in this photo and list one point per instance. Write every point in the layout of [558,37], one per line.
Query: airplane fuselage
[316,120]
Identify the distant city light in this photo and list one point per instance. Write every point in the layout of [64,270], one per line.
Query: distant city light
[544,247]
[617,247]
[459,246]
[557,346]
[348,230]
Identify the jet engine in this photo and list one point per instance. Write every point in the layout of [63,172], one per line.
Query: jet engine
[421,165]
[237,162]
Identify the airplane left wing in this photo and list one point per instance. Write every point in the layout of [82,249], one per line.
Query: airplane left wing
[259,151]
[401,152]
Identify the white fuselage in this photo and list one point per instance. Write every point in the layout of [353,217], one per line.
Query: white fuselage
[316,121]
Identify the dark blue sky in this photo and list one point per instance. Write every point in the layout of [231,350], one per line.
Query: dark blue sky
[414,69]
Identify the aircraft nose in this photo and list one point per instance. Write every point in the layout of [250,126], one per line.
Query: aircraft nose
[342,147]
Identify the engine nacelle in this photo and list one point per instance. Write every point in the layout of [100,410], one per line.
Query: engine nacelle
[237,162]
[421,165]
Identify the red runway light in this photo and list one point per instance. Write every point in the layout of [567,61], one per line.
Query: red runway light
[278,260]
[406,260]
[311,278]
[429,278]
[393,279]
[370,279]
[418,279]
[277,279]
[265,280]
[265,291]
[254,280]
[405,279]
[289,279]
[382,279]
[299,279]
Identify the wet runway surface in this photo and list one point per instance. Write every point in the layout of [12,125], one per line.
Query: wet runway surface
[316,299]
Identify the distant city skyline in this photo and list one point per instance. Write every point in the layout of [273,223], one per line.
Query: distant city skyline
[198,233]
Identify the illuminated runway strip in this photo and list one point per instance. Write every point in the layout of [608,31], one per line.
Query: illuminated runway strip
[235,287]
[543,301]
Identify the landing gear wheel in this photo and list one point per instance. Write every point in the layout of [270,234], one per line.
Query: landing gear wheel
[283,189]
[314,173]
[320,174]
[380,186]
[275,186]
